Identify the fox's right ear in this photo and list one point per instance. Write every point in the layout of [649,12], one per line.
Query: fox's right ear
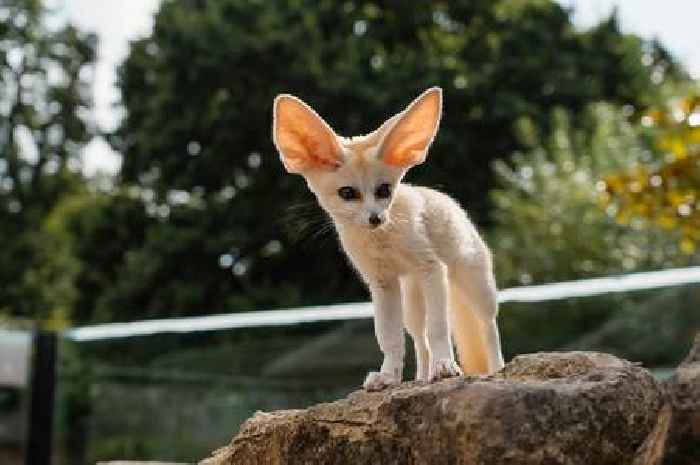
[305,142]
[411,132]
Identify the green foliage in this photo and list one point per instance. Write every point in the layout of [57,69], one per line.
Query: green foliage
[656,328]
[85,239]
[550,223]
[204,219]
[45,84]
[665,191]
[198,94]
[554,221]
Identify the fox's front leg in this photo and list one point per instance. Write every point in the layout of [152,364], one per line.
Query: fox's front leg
[388,327]
[442,362]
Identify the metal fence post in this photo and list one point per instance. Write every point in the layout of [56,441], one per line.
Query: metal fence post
[43,391]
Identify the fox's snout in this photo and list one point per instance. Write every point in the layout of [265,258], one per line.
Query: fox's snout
[375,220]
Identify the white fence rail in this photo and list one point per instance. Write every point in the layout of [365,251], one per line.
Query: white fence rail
[539,293]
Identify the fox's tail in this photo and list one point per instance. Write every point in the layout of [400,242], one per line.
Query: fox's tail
[473,323]
[467,335]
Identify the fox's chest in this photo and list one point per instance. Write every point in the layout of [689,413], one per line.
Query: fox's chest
[385,253]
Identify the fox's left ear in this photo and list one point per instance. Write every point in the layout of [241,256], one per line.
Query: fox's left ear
[406,143]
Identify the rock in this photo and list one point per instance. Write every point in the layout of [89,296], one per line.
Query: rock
[653,450]
[547,408]
[683,441]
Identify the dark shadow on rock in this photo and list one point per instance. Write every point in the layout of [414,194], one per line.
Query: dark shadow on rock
[683,388]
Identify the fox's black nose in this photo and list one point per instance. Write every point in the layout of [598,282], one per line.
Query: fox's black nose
[374,220]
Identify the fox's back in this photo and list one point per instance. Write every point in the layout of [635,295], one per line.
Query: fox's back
[446,224]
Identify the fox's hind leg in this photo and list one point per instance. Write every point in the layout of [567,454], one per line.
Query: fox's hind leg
[414,319]
[476,286]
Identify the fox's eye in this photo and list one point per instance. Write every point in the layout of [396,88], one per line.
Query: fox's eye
[348,193]
[383,191]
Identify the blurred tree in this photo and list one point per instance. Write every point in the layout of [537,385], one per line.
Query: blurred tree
[551,225]
[666,190]
[198,95]
[84,240]
[657,327]
[550,195]
[45,101]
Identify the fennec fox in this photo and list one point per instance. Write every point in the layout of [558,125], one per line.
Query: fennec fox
[425,265]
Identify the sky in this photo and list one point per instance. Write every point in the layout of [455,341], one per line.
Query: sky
[675,22]
[116,22]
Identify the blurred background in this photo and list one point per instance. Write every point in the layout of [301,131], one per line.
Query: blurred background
[138,181]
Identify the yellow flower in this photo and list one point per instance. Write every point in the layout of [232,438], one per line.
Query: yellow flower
[687,246]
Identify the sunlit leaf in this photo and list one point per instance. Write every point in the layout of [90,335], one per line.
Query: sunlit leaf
[688,246]
[664,193]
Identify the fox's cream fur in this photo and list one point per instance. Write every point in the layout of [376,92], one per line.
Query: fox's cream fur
[425,265]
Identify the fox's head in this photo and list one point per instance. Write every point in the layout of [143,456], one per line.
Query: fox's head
[354,178]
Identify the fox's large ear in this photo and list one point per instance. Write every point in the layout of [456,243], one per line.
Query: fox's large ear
[406,143]
[305,142]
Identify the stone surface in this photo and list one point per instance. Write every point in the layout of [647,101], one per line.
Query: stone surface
[653,450]
[683,441]
[548,408]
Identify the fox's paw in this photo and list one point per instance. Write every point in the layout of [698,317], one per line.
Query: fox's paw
[443,368]
[422,374]
[378,381]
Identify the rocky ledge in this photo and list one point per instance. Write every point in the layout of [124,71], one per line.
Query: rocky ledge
[683,441]
[547,408]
